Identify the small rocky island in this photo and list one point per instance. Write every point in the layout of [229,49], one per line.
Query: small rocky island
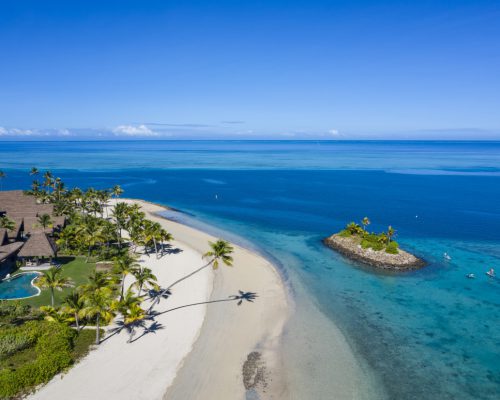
[375,249]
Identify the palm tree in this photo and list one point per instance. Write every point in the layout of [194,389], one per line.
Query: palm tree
[58,188]
[365,223]
[97,281]
[35,187]
[143,277]
[98,306]
[152,233]
[47,179]
[124,266]
[74,304]
[7,223]
[220,250]
[382,238]
[55,315]
[164,237]
[52,279]
[2,177]
[116,191]
[45,221]
[120,215]
[391,232]
[103,197]
[91,233]
[353,228]
[34,171]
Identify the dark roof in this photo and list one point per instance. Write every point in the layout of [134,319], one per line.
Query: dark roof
[9,249]
[38,245]
[24,210]
[4,237]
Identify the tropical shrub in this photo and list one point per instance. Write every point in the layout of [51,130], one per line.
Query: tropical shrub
[392,248]
[52,353]
[17,338]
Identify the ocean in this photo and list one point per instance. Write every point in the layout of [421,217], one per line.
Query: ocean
[426,334]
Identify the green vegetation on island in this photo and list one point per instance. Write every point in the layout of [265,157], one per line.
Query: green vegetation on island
[371,240]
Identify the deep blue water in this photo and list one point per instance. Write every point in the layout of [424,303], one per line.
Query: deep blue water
[428,334]
[18,287]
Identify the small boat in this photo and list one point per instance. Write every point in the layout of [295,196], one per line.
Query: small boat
[470,276]
[447,256]
[491,273]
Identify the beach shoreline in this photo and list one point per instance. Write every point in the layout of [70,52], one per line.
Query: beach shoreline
[216,351]
[242,343]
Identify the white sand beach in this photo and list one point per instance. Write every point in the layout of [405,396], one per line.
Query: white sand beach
[226,333]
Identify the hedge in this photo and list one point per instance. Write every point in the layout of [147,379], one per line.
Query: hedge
[52,355]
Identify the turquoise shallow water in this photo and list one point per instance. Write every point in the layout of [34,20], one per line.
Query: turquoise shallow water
[428,334]
[18,287]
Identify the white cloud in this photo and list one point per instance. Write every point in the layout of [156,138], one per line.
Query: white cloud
[334,132]
[64,132]
[133,130]
[16,132]
[34,132]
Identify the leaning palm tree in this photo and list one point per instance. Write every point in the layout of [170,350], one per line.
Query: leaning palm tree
[52,279]
[124,266]
[34,171]
[74,304]
[98,306]
[220,251]
[2,177]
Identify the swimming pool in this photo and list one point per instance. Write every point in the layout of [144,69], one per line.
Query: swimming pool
[18,287]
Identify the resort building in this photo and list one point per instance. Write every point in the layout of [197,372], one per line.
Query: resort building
[26,240]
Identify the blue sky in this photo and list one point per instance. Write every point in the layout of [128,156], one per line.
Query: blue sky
[250,69]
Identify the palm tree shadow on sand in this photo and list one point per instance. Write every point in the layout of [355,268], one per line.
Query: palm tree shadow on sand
[155,326]
[242,296]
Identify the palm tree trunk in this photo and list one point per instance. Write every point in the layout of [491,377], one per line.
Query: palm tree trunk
[189,275]
[52,296]
[88,254]
[77,322]
[123,286]
[97,332]
[156,247]
[164,291]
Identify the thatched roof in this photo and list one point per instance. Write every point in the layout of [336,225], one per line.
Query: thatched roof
[4,237]
[9,249]
[38,245]
[24,210]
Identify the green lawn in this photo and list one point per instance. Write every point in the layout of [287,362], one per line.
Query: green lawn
[74,268]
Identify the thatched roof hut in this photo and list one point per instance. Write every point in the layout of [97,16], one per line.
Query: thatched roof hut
[38,245]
